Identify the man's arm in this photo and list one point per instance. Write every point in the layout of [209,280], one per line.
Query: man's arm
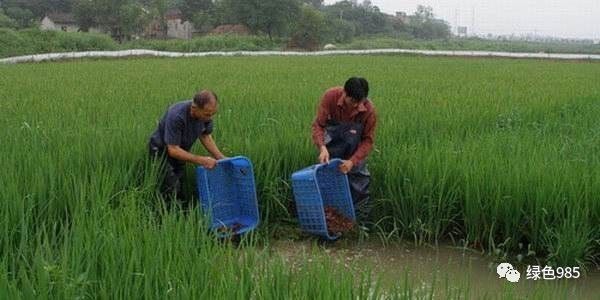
[318,126]
[209,144]
[172,137]
[176,152]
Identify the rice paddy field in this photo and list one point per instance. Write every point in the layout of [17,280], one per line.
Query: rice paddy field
[495,155]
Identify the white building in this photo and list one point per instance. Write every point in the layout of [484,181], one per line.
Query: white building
[62,21]
[59,21]
[176,27]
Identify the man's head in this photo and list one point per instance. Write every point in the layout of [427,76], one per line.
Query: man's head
[204,105]
[357,90]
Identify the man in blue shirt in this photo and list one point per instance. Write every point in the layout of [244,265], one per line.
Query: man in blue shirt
[182,124]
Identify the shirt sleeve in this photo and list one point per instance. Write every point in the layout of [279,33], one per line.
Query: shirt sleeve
[368,138]
[318,126]
[173,130]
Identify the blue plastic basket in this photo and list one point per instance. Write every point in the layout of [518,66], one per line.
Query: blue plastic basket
[228,194]
[316,187]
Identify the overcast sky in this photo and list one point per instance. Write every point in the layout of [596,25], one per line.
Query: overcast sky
[560,18]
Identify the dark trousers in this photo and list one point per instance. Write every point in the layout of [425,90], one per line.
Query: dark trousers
[342,140]
[171,175]
[359,179]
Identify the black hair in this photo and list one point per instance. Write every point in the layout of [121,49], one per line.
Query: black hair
[357,88]
[204,97]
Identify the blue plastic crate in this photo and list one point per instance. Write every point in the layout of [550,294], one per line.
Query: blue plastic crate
[315,188]
[228,194]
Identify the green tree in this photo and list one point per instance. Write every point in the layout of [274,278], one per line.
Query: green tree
[57,5]
[24,17]
[159,8]
[6,21]
[308,30]
[190,8]
[314,3]
[204,21]
[269,16]
[39,7]
[339,30]
[36,7]
[423,14]
[366,17]
[132,19]
[122,18]
[223,13]
[84,13]
[423,24]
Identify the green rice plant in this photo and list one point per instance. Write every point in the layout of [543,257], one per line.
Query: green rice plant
[495,154]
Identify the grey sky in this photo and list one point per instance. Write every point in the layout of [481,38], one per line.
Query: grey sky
[561,18]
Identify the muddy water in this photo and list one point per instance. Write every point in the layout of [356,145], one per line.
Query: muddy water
[446,265]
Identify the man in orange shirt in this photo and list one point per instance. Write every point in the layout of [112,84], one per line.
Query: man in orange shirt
[345,128]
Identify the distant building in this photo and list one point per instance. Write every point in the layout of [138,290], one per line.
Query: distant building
[461,31]
[236,29]
[154,31]
[59,21]
[176,27]
[63,22]
[402,16]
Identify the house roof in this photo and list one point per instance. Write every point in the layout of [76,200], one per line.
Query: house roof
[231,29]
[63,18]
[173,13]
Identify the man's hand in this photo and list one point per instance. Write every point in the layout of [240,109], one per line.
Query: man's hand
[206,161]
[324,155]
[209,144]
[346,166]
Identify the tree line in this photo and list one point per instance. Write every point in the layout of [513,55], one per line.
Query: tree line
[305,23]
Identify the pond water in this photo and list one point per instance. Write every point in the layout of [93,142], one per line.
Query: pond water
[464,268]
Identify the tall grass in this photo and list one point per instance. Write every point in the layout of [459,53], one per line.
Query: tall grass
[493,153]
[33,41]
[208,43]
